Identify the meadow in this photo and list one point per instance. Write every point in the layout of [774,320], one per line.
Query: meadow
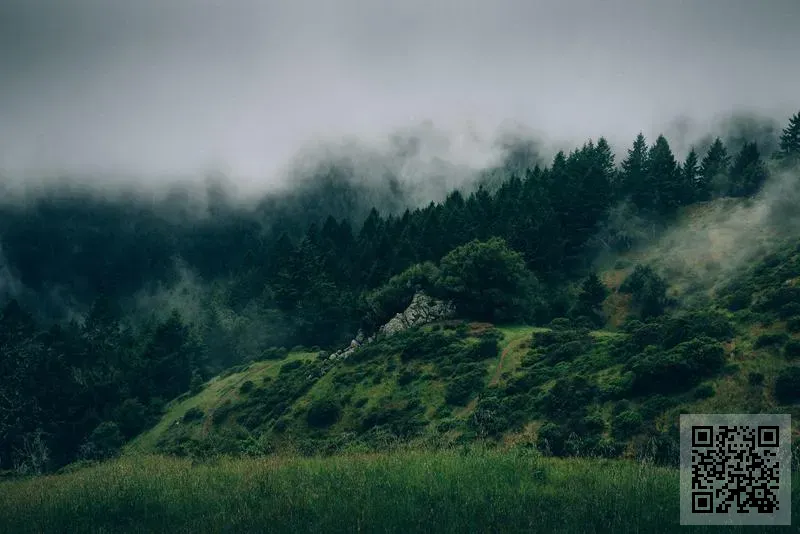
[468,490]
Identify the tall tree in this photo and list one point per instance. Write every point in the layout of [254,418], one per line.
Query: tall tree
[690,174]
[790,140]
[748,172]
[713,171]
[633,175]
[663,179]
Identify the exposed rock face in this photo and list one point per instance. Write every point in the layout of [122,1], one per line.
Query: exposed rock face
[422,310]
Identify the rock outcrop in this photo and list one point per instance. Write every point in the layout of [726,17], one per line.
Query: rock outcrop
[422,310]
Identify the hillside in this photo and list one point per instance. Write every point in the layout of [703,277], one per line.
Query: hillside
[565,388]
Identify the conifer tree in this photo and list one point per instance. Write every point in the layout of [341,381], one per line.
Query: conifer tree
[634,173]
[790,140]
[713,171]
[748,172]
[690,174]
[663,179]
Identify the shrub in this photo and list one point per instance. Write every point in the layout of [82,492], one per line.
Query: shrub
[323,413]
[677,369]
[131,417]
[275,353]
[703,391]
[654,406]
[770,340]
[246,387]
[290,366]
[789,310]
[793,324]
[487,347]
[626,424]
[792,349]
[406,377]
[193,414]
[739,300]
[755,379]
[105,441]
[551,439]
[787,385]
[460,389]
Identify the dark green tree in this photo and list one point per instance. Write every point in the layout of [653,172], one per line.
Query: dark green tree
[790,140]
[487,280]
[633,174]
[713,171]
[748,172]
[690,174]
[663,180]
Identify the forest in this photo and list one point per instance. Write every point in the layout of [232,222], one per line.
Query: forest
[114,305]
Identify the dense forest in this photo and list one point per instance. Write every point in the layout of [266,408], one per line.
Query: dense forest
[115,305]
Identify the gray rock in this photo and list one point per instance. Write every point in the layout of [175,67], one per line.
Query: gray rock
[422,310]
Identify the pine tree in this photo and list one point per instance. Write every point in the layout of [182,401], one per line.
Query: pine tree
[713,171]
[690,173]
[790,140]
[633,176]
[748,172]
[663,179]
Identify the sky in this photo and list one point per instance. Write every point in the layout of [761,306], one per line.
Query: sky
[155,88]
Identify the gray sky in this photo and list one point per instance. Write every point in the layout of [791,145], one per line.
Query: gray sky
[150,87]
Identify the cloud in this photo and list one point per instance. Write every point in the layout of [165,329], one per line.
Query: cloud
[159,90]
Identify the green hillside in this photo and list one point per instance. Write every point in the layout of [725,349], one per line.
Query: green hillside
[566,388]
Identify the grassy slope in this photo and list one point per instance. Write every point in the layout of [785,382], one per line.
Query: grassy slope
[478,491]
[218,390]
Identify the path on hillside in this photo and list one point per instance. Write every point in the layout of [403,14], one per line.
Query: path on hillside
[514,343]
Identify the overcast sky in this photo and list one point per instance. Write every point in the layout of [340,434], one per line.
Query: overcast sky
[174,86]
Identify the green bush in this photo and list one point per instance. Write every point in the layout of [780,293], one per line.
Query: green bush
[246,387]
[790,309]
[703,391]
[793,324]
[193,414]
[755,379]
[787,386]
[406,377]
[770,340]
[677,369]
[792,349]
[132,417]
[461,389]
[104,442]
[323,413]
[626,424]
[274,353]
[551,439]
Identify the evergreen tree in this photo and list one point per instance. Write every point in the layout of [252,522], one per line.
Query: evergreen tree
[713,171]
[748,172]
[790,140]
[633,175]
[663,179]
[690,174]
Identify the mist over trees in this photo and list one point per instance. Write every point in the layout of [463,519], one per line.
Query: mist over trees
[84,364]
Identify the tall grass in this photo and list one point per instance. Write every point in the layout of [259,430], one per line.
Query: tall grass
[473,491]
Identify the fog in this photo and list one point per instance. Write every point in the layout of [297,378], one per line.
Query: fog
[161,90]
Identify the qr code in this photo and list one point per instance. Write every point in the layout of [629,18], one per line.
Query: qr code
[735,469]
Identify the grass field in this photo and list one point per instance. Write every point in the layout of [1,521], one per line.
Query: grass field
[467,491]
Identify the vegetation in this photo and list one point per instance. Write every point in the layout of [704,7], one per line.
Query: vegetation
[175,341]
[456,491]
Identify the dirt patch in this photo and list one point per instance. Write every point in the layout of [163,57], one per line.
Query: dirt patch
[476,329]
